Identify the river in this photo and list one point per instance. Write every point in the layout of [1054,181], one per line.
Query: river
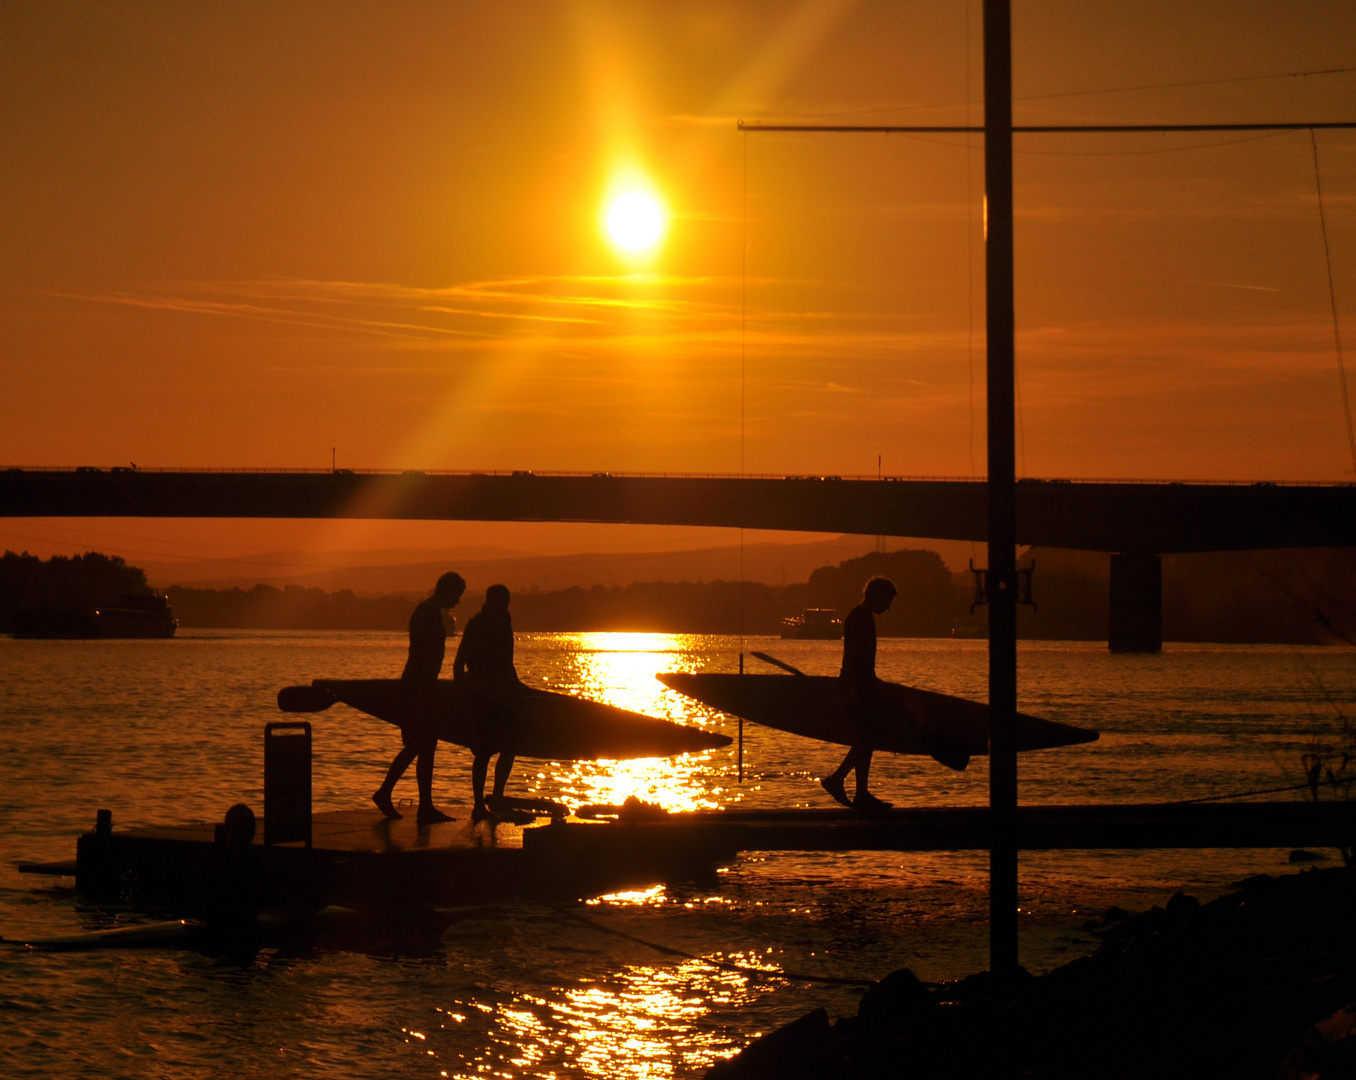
[165,732]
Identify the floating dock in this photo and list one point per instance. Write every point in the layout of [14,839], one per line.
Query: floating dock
[359,859]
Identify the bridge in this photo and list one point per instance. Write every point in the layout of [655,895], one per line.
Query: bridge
[1137,522]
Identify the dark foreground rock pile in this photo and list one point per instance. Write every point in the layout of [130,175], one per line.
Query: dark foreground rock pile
[1233,988]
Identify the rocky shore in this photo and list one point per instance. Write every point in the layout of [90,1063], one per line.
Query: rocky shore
[1258,983]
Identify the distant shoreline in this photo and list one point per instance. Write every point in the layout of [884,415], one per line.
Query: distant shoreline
[1273,598]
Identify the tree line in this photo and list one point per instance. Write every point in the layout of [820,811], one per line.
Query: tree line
[1255,597]
[66,585]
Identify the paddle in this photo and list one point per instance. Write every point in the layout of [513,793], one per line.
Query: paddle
[778,663]
[304,699]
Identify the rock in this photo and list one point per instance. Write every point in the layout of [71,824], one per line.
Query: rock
[1327,1051]
[1300,855]
[1181,907]
[802,1050]
[1114,915]
[1146,922]
[893,998]
[988,988]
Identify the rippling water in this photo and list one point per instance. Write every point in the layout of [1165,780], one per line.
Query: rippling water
[168,732]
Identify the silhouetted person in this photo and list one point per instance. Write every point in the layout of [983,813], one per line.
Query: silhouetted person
[862,689]
[485,662]
[231,912]
[419,731]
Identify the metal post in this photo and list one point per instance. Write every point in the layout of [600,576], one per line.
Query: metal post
[1002,577]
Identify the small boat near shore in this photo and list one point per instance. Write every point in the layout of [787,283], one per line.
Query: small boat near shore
[140,616]
[813,624]
[133,616]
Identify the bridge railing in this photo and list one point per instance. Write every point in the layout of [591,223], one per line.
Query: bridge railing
[649,474]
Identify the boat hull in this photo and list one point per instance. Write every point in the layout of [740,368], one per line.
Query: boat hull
[555,727]
[123,623]
[909,721]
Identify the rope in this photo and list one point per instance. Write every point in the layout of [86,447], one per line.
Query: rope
[1260,791]
[1332,300]
[723,965]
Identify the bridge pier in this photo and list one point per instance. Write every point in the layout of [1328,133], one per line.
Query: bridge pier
[1136,604]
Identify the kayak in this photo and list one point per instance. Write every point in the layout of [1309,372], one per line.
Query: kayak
[555,727]
[907,721]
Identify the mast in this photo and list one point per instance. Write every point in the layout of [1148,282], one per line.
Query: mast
[1002,485]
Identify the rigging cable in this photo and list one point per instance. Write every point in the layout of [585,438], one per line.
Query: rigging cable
[970,253]
[1332,300]
[970,247]
[1091,93]
[743,367]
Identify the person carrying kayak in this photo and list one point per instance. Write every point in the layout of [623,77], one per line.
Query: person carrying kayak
[863,691]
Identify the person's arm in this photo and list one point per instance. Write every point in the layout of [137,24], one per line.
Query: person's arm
[509,623]
[459,661]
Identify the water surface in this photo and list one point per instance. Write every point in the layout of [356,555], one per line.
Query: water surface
[168,732]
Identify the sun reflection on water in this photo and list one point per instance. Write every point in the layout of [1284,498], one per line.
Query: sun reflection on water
[619,669]
[656,894]
[621,1026]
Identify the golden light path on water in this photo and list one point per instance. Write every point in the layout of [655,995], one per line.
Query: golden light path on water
[619,669]
[639,1021]
[625,1026]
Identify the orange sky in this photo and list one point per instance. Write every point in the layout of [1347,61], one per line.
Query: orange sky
[240,235]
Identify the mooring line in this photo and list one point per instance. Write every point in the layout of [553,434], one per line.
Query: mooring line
[724,965]
[1261,791]
[1332,300]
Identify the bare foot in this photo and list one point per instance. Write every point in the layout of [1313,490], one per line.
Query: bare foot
[431,815]
[868,805]
[384,804]
[834,786]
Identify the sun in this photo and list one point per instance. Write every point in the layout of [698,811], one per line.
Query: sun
[635,222]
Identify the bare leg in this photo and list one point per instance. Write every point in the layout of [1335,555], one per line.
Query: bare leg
[479,767]
[862,754]
[865,802]
[423,773]
[502,768]
[382,796]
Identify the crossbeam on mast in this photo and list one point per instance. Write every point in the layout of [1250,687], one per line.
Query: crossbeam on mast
[1041,129]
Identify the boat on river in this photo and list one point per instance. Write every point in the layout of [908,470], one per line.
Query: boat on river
[145,615]
[140,615]
[813,624]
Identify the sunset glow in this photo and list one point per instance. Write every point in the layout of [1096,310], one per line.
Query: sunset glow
[600,272]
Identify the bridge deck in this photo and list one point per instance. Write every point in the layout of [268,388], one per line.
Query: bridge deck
[1118,517]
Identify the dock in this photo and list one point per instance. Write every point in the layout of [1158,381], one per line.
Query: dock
[1040,828]
[359,859]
